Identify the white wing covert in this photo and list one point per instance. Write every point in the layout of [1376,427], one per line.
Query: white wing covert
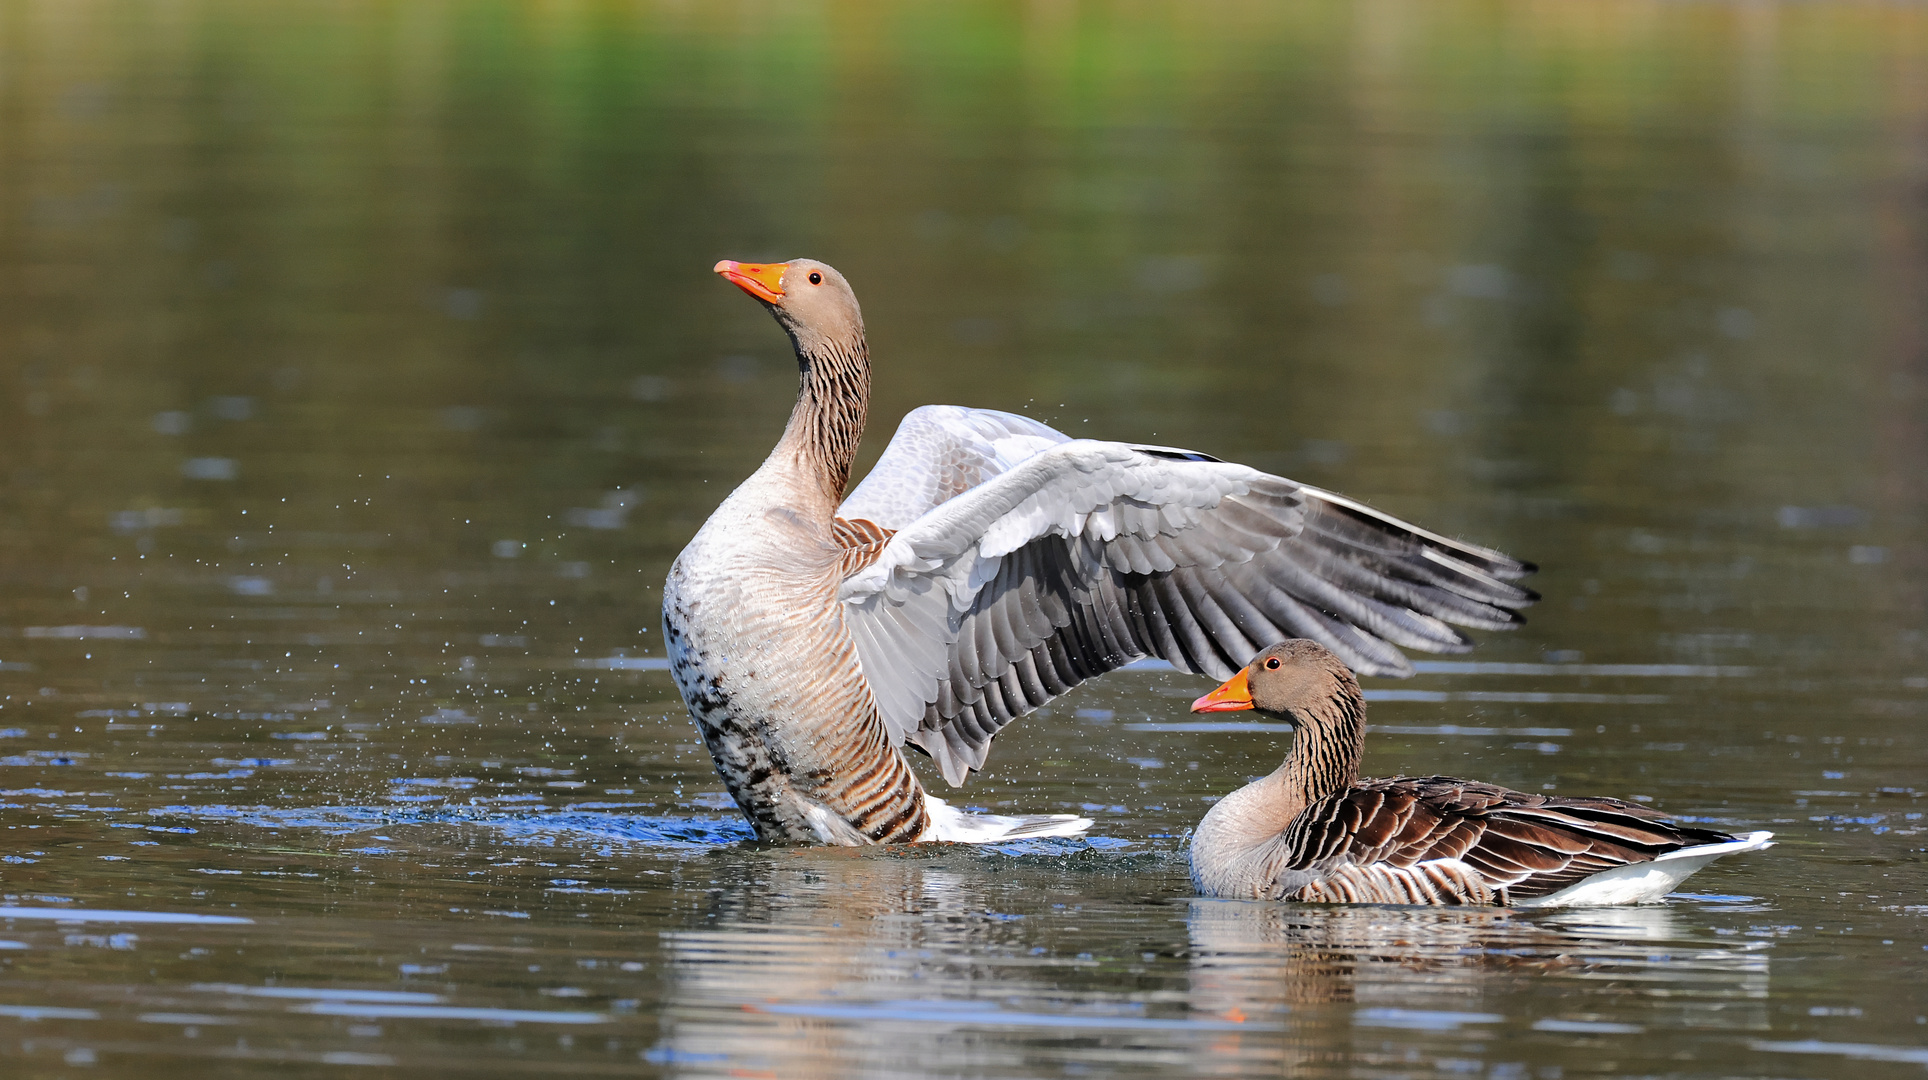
[1079,557]
[938,452]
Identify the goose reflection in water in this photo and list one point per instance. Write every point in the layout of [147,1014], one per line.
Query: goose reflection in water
[826,963]
[838,966]
[1316,970]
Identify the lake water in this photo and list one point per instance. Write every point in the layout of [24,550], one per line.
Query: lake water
[362,372]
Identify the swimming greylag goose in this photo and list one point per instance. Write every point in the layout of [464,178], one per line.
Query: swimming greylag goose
[1313,830]
[988,564]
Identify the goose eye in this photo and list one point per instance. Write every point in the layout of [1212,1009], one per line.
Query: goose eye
[816,278]
[1272,664]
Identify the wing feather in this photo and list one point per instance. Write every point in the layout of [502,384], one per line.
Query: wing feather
[941,451]
[1012,563]
[1531,845]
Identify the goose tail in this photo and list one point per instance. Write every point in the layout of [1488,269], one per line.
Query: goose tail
[947,822]
[1646,882]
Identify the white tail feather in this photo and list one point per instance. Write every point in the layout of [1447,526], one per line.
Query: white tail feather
[1645,882]
[947,822]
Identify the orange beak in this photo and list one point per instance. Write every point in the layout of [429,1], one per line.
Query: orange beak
[761,280]
[1234,695]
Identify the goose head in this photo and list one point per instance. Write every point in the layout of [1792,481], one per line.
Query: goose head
[810,300]
[1297,679]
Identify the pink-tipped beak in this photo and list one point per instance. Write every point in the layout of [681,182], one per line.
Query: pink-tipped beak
[761,280]
[1233,696]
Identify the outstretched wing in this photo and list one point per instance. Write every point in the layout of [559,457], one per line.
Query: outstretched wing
[941,451]
[1530,845]
[1084,556]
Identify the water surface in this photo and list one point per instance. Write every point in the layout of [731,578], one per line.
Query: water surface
[363,373]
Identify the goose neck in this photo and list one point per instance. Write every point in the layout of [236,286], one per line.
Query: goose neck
[833,401]
[1326,747]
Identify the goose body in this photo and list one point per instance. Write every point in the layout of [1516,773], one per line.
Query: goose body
[987,564]
[1315,831]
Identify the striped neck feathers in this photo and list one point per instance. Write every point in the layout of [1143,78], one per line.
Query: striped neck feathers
[1328,741]
[833,401]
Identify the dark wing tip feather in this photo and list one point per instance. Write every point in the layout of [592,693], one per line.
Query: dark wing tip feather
[1490,560]
[1173,453]
[1377,555]
[1272,560]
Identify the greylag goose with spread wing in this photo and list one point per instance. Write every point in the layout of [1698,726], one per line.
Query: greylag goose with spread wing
[1313,830]
[988,564]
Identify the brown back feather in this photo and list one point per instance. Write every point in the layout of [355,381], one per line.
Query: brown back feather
[1529,844]
[862,541]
